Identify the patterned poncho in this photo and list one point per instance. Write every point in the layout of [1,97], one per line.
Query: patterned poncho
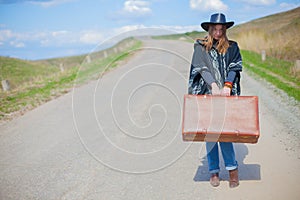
[218,65]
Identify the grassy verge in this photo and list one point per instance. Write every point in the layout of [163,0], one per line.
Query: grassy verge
[34,83]
[275,71]
[96,68]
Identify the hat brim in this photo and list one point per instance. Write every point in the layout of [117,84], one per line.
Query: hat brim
[205,25]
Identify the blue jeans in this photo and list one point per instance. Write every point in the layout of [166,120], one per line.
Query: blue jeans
[213,156]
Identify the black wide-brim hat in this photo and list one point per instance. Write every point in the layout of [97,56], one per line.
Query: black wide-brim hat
[217,18]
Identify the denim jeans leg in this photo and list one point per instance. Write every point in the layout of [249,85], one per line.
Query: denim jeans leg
[212,151]
[228,155]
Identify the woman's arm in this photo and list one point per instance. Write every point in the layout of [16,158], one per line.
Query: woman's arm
[199,67]
[234,67]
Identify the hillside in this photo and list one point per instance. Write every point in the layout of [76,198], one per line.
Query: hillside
[277,34]
[35,82]
[21,73]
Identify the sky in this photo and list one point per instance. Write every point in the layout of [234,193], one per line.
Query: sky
[40,29]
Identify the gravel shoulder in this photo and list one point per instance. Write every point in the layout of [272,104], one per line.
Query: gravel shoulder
[284,109]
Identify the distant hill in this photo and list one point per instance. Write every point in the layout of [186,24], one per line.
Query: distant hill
[31,83]
[25,73]
[22,73]
[277,34]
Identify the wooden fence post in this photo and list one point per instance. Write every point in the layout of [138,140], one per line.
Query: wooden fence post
[297,66]
[88,59]
[5,85]
[263,55]
[61,67]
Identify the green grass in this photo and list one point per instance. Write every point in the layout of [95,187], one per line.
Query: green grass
[34,83]
[275,71]
[19,71]
[92,70]
[36,94]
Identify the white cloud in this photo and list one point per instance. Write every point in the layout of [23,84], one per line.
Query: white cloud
[59,33]
[17,44]
[289,5]
[142,30]
[47,38]
[132,10]
[260,2]
[61,38]
[90,37]
[208,5]
[182,29]
[49,3]
[50,38]
[43,3]
[5,34]
[128,28]
[45,42]
[137,7]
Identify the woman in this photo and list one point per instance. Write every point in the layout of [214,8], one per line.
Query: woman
[215,70]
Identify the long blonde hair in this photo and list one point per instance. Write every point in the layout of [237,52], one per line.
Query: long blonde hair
[222,44]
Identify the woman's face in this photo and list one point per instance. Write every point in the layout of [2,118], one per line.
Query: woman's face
[217,31]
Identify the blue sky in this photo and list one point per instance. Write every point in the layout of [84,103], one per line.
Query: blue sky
[38,29]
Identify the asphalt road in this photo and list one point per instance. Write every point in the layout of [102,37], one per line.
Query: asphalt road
[119,137]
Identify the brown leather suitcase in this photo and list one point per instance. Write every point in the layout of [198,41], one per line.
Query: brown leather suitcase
[220,118]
